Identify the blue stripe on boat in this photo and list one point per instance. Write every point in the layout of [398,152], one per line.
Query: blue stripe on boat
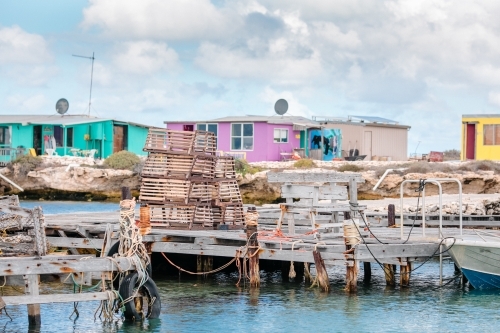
[480,280]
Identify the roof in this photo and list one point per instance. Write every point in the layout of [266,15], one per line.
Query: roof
[295,120]
[57,119]
[481,115]
[360,121]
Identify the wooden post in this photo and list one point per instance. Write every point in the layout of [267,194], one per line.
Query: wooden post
[352,277]
[31,289]
[367,270]
[404,275]
[390,279]
[391,216]
[126,194]
[253,252]
[321,275]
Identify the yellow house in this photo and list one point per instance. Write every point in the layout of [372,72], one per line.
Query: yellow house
[480,137]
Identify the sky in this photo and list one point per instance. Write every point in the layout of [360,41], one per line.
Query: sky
[422,63]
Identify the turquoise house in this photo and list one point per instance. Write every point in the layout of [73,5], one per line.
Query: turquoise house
[69,135]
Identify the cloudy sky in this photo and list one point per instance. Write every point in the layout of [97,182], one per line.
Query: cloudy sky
[423,63]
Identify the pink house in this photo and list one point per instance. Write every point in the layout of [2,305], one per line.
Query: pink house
[254,138]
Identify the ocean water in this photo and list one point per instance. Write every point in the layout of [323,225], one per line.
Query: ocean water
[215,304]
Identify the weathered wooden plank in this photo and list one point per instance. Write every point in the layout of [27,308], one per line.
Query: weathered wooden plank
[61,264]
[320,208]
[55,298]
[312,177]
[331,192]
[230,251]
[78,243]
[393,250]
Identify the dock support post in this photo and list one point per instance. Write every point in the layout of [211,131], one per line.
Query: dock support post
[367,271]
[31,289]
[321,275]
[390,279]
[391,215]
[404,274]
[352,277]
[253,254]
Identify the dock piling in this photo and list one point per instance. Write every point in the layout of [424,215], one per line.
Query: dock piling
[390,279]
[253,254]
[404,275]
[321,275]
[31,288]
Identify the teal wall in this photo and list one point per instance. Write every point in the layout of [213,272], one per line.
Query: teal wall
[101,137]
[137,139]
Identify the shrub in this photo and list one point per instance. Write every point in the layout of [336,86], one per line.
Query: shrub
[480,165]
[305,163]
[25,164]
[350,167]
[123,160]
[243,167]
[451,155]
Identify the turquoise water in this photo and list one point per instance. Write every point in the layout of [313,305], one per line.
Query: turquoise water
[217,305]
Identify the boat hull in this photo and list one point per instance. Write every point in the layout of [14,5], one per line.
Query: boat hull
[479,262]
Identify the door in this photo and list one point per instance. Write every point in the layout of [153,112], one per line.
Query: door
[119,138]
[367,147]
[470,142]
[37,139]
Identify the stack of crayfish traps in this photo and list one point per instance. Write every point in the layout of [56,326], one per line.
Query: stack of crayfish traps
[186,186]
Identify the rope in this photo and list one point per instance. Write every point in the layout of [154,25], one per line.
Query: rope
[201,273]
[292,273]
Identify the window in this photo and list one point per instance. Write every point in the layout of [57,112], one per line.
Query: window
[59,136]
[241,136]
[4,135]
[69,137]
[280,135]
[209,128]
[491,135]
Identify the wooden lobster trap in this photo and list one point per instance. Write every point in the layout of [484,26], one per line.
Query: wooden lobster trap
[164,191]
[225,168]
[181,217]
[230,214]
[185,142]
[165,165]
[227,191]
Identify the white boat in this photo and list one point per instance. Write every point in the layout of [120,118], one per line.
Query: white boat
[478,257]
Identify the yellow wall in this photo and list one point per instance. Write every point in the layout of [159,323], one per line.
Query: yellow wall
[483,152]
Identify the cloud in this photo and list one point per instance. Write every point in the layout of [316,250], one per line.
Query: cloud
[143,19]
[19,47]
[23,103]
[145,57]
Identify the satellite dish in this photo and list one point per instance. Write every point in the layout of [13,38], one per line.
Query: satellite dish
[281,106]
[62,106]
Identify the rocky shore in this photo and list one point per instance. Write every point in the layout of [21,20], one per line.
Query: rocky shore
[80,178]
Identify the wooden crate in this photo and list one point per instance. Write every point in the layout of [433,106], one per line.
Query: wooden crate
[164,165]
[184,142]
[181,217]
[224,167]
[232,214]
[227,191]
[164,191]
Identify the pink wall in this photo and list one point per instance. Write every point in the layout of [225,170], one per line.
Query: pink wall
[265,149]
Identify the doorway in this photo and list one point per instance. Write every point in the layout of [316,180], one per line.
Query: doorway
[120,138]
[470,142]
[37,139]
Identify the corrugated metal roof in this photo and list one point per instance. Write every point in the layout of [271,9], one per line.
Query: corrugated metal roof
[63,120]
[375,119]
[296,120]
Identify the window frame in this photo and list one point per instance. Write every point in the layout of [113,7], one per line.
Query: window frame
[494,128]
[61,143]
[5,135]
[242,137]
[70,136]
[206,130]
[280,131]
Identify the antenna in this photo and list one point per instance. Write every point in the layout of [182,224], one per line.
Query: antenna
[281,106]
[91,75]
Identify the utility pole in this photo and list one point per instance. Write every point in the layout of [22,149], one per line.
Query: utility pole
[91,76]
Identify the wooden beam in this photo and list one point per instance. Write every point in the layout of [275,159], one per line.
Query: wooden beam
[61,265]
[380,251]
[307,177]
[55,298]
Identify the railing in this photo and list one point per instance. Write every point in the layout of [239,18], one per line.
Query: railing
[236,154]
[9,154]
